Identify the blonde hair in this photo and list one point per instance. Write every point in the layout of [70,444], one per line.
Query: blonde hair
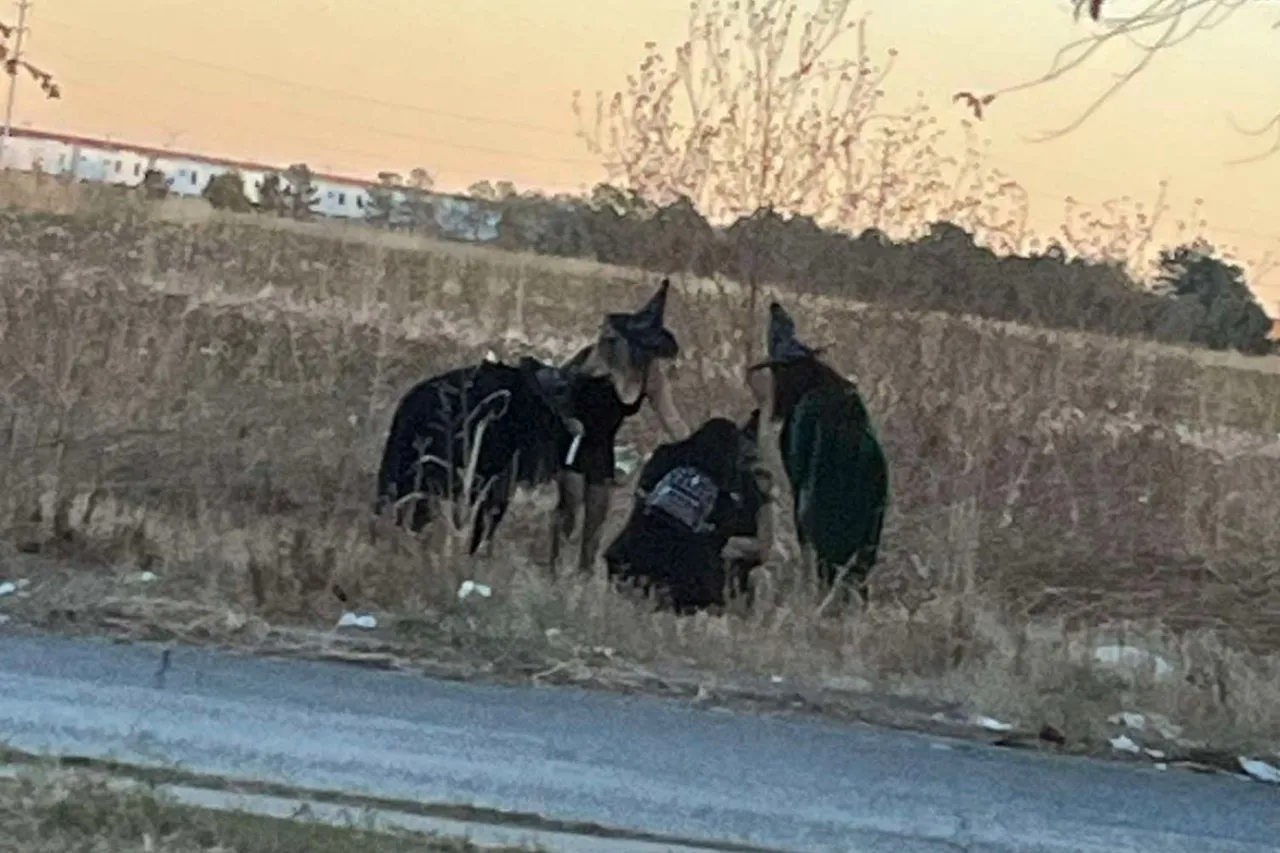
[613,355]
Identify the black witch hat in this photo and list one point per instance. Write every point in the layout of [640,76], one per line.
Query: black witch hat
[644,330]
[784,346]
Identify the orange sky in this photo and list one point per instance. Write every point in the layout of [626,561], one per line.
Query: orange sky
[480,89]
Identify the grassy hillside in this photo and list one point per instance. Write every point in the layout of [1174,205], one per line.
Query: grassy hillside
[207,397]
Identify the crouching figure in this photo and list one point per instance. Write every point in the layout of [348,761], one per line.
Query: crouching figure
[700,519]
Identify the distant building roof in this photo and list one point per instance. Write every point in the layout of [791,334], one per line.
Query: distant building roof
[150,151]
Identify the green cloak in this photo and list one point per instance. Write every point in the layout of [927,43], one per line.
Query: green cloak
[840,477]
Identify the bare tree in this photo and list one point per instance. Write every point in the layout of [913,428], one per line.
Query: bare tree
[483,190]
[417,207]
[748,113]
[13,61]
[1154,27]
[764,106]
[420,179]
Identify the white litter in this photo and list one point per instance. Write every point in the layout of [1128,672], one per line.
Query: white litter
[776,679]
[626,459]
[1154,753]
[8,588]
[143,577]
[1165,726]
[1132,658]
[353,620]
[470,588]
[4,618]
[1260,771]
[1123,743]
[992,725]
[1129,720]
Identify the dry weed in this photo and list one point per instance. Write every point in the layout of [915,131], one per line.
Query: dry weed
[207,402]
[51,810]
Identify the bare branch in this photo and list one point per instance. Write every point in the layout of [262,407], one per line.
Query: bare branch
[12,64]
[1272,127]
[1170,23]
[766,106]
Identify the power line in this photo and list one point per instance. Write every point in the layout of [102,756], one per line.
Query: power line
[1093,203]
[327,144]
[382,102]
[1092,182]
[462,117]
[427,140]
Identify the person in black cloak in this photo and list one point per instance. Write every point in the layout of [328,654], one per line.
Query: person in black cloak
[625,362]
[691,498]
[838,471]
[525,411]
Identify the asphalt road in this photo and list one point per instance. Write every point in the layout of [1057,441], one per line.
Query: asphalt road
[628,763]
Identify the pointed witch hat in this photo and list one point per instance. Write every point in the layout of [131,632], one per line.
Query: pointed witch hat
[784,346]
[644,329]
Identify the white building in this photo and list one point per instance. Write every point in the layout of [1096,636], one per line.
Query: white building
[104,161]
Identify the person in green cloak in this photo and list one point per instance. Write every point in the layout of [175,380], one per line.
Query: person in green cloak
[838,470]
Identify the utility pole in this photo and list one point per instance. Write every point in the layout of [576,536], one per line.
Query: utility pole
[12,62]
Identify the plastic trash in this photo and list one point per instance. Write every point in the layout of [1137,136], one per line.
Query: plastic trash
[626,460]
[1124,743]
[470,588]
[1260,771]
[1132,658]
[8,588]
[1129,720]
[992,725]
[353,620]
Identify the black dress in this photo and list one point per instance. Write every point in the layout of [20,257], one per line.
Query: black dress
[685,509]
[596,404]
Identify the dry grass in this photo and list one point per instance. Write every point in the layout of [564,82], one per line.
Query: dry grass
[207,402]
[53,811]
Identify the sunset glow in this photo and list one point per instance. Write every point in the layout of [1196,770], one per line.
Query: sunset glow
[481,90]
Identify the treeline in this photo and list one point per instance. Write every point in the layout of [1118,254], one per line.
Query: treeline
[1197,298]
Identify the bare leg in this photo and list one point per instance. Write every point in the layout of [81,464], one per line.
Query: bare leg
[570,487]
[595,511]
[487,547]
